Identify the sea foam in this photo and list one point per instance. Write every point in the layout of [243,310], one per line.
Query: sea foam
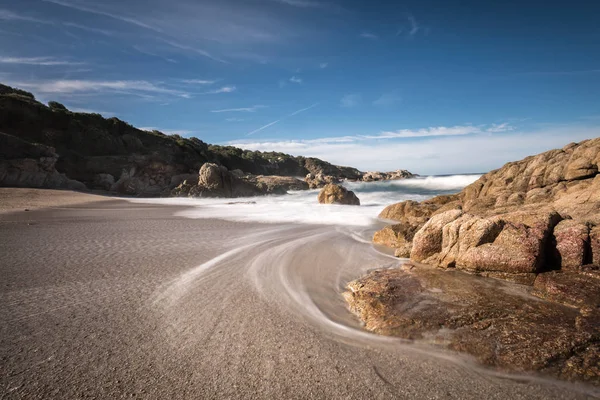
[303,207]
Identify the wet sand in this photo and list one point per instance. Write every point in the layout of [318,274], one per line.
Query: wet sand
[109,299]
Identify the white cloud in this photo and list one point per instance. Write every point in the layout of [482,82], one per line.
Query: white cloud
[45,61]
[295,79]
[241,109]
[432,155]
[142,88]
[350,100]
[442,131]
[224,89]
[323,65]
[197,81]
[369,35]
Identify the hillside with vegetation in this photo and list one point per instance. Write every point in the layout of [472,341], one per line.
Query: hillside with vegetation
[44,142]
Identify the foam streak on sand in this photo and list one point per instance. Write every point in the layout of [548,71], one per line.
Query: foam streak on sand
[167,307]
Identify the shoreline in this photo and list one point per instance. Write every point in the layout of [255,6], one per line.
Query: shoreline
[159,303]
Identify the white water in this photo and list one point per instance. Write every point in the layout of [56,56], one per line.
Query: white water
[302,206]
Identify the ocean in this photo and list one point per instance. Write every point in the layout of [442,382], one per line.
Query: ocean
[302,206]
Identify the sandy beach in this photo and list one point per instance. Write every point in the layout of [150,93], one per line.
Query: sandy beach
[104,298]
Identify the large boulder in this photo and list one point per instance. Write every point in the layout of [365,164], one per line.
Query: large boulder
[534,215]
[337,194]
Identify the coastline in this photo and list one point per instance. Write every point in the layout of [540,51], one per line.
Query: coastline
[121,298]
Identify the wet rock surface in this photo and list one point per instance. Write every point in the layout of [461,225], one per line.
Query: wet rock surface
[501,324]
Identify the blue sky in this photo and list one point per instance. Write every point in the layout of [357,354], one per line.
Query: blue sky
[431,86]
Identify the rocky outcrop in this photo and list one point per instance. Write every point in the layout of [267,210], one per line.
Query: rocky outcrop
[387,176]
[24,164]
[337,194]
[216,181]
[276,184]
[315,181]
[319,179]
[499,323]
[530,216]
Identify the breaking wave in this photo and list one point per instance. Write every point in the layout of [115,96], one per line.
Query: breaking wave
[302,206]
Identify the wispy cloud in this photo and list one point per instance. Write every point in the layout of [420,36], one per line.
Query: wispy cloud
[412,29]
[295,79]
[89,29]
[142,88]
[281,119]
[442,131]
[234,119]
[84,8]
[198,81]
[558,73]
[193,50]
[263,127]
[387,100]
[224,89]
[414,26]
[350,100]
[302,110]
[44,61]
[147,52]
[323,65]
[369,35]
[241,109]
[303,3]
[7,15]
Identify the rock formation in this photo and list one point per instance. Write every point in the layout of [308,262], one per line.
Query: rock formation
[387,176]
[216,181]
[337,194]
[499,323]
[530,216]
[24,164]
[319,180]
[534,222]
